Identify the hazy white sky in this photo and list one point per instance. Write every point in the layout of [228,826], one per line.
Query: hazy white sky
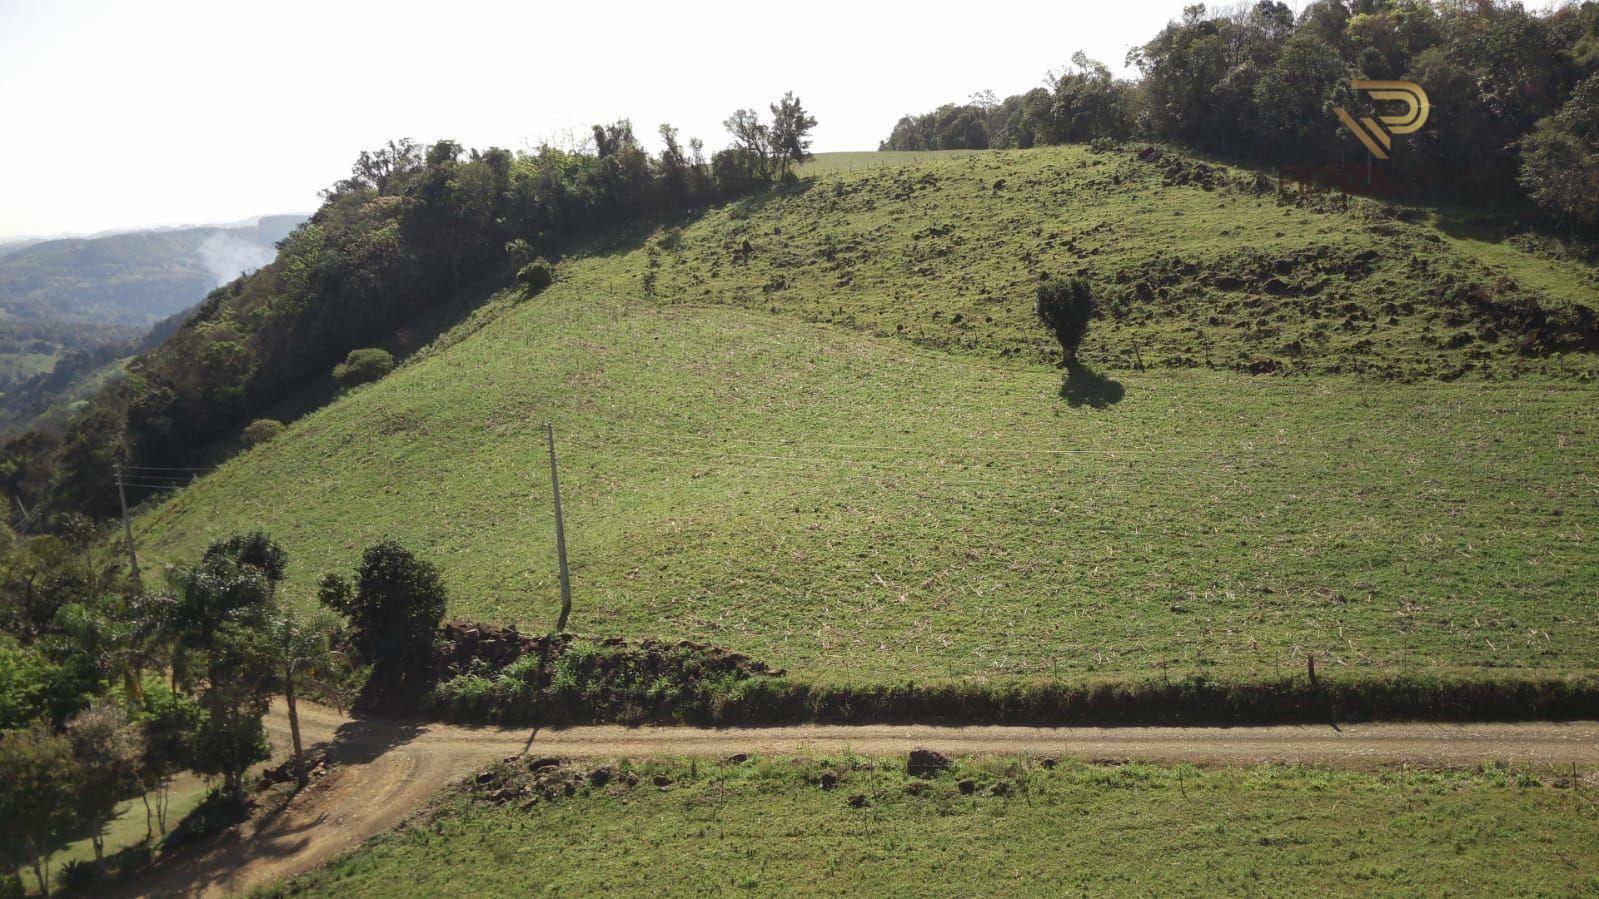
[131,114]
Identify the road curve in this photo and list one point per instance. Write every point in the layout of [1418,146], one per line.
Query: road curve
[387,769]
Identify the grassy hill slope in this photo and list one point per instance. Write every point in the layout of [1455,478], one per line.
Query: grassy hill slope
[868,509]
[1197,265]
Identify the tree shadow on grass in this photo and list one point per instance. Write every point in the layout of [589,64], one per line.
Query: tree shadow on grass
[1083,386]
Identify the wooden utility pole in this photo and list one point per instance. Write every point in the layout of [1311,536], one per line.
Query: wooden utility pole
[560,534]
[127,528]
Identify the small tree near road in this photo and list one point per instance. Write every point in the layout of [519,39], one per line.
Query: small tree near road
[109,750]
[394,609]
[1066,306]
[169,721]
[299,644]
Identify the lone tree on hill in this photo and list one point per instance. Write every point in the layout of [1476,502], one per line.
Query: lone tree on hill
[1065,306]
[771,151]
[790,132]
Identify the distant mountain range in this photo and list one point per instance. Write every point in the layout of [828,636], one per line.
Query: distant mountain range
[71,309]
[136,278]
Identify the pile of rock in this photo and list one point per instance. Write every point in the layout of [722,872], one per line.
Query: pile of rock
[317,765]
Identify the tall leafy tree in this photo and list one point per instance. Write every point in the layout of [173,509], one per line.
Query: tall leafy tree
[219,614]
[38,785]
[1560,159]
[109,750]
[230,736]
[752,139]
[790,133]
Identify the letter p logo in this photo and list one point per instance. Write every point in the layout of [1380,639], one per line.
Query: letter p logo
[1377,134]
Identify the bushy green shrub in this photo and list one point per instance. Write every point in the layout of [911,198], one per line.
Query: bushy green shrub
[257,549]
[536,275]
[217,812]
[469,697]
[363,366]
[79,877]
[596,684]
[585,681]
[1065,306]
[519,251]
[262,430]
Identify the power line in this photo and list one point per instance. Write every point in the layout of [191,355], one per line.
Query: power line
[196,468]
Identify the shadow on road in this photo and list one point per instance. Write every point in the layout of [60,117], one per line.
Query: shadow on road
[364,739]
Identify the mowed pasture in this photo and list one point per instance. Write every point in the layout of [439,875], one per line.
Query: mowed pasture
[867,510]
[766,828]
[822,427]
[1196,265]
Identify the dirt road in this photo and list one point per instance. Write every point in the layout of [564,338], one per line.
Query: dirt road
[387,769]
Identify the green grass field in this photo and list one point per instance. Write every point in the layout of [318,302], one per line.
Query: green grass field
[764,828]
[791,473]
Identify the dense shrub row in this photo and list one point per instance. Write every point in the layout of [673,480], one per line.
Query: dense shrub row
[578,681]
[562,679]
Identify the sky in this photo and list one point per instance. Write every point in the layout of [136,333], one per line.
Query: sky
[121,115]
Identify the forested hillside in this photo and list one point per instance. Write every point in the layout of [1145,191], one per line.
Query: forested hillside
[413,230]
[1514,93]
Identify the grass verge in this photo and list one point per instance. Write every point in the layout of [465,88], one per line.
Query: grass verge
[766,827]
